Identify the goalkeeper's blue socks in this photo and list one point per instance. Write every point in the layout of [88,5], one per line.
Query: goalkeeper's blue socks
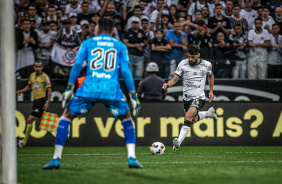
[129,131]
[61,137]
[129,135]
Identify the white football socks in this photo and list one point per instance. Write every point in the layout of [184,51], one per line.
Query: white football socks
[183,132]
[58,151]
[130,150]
[204,114]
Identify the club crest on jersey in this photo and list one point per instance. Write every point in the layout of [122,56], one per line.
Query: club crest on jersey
[139,35]
[202,73]
[224,23]
[262,38]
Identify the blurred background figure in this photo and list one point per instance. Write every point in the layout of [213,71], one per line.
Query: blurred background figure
[150,88]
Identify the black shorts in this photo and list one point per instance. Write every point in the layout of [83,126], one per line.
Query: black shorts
[198,103]
[37,108]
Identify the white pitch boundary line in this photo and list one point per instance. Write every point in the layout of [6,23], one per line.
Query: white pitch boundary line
[117,154]
[190,162]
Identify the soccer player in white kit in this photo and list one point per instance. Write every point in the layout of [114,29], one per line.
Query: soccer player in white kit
[193,72]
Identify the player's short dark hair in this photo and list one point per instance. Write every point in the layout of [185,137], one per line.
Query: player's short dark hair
[160,30]
[196,11]
[193,49]
[265,7]
[236,5]
[275,25]
[137,7]
[84,3]
[38,61]
[258,19]
[237,25]
[218,4]
[106,25]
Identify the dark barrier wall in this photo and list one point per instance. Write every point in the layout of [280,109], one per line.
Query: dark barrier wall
[224,90]
[239,124]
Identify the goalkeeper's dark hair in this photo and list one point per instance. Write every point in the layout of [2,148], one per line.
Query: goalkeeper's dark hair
[193,49]
[106,25]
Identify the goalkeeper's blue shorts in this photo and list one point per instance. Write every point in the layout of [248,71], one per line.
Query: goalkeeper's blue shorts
[80,105]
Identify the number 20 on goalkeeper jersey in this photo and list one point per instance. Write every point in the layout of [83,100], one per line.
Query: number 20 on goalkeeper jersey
[105,57]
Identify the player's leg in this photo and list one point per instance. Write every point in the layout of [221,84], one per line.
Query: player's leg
[36,112]
[75,107]
[30,120]
[120,110]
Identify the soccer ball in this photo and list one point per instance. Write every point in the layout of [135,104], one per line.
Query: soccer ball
[157,148]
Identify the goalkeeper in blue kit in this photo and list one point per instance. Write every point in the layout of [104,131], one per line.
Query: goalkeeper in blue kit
[106,59]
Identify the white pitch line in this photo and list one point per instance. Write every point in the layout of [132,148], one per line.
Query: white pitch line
[117,154]
[190,162]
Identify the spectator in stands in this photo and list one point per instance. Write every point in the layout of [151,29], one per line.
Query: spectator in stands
[256,4]
[53,26]
[186,29]
[149,35]
[95,18]
[198,5]
[237,19]
[249,14]
[266,21]
[275,55]
[159,47]
[85,32]
[73,7]
[150,88]
[272,5]
[32,11]
[179,42]
[165,25]
[137,12]
[135,39]
[26,42]
[203,39]
[258,40]
[223,66]
[145,9]
[74,25]
[46,39]
[51,14]
[239,42]
[173,16]
[93,6]
[62,6]
[205,15]
[228,9]
[118,20]
[219,23]
[161,6]
[183,5]
[84,15]
[278,18]
[66,38]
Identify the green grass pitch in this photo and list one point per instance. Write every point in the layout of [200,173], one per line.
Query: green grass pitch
[189,165]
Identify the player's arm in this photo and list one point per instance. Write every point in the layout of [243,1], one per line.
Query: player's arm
[77,66]
[75,71]
[49,93]
[27,88]
[171,82]
[211,83]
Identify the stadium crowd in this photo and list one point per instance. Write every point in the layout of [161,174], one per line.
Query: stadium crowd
[241,38]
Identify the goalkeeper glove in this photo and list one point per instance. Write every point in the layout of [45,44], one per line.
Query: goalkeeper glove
[135,104]
[68,95]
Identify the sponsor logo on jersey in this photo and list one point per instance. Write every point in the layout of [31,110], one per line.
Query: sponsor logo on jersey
[101,75]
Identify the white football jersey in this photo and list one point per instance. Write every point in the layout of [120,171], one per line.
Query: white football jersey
[194,78]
